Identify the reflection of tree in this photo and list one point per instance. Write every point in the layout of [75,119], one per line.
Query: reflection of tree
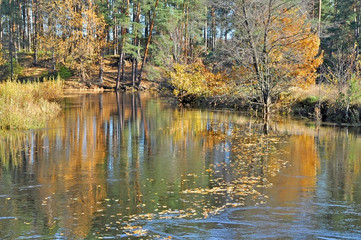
[342,163]
[74,175]
[301,175]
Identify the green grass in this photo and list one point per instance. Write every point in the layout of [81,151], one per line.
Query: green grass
[28,105]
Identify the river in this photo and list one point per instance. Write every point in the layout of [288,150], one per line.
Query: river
[131,165]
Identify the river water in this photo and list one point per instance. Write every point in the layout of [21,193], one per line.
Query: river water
[131,165]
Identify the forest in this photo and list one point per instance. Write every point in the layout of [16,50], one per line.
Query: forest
[268,55]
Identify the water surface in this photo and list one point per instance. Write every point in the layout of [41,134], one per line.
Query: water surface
[133,166]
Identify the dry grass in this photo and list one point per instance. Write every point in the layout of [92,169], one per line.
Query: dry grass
[324,92]
[28,105]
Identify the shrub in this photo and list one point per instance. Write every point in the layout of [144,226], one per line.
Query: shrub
[17,68]
[196,79]
[64,72]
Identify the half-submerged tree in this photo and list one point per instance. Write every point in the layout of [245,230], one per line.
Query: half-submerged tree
[275,46]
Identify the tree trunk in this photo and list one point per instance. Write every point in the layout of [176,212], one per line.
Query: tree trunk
[214,30]
[14,42]
[120,74]
[148,43]
[136,20]
[357,29]
[1,27]
[186,33]
[115,39]
[101,66]
[22,25]
[35,22]
[11,48]
[28,22]
[266,111]
[137,41]
[319,17]
[133,72]
[205,34]
[53,62]
[120,67]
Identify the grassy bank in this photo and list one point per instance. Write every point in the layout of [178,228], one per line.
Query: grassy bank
[28,105]
[331,102]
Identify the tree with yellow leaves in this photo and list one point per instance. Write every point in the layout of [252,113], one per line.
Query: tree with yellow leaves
[277,47]
[74,35]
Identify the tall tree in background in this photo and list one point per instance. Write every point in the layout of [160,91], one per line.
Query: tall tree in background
[148,42]
[124,26]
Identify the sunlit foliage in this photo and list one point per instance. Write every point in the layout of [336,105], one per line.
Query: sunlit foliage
[74,34]
[294,48]
[196,79]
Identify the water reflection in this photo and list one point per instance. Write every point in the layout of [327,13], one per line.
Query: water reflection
[117,164]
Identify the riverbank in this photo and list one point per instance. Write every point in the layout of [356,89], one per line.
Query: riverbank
[315,102]
[26,71]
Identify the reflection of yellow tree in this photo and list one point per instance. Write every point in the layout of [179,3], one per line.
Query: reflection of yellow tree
[72,170]
[304,163]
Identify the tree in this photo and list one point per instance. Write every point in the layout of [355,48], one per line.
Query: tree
[148,43]
[274,45]
[74,34]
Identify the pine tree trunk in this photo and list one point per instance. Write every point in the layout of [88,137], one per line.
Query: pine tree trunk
[11,50]
[115,39]
[28,22]
[53,62]
[1,27]
[186,10]
[319,17]
[137,42]
[120,68]
[133,72]
[35,26]
[120,74]
[22,26]
[148,43]
[213,14]
[205,33]
[101,66]
[14,42]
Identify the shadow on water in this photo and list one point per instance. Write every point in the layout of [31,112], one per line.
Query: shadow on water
[130,165]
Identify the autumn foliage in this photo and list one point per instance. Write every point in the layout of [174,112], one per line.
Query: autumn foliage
[288,55]
[196,79]
[75,34]
[294,48]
